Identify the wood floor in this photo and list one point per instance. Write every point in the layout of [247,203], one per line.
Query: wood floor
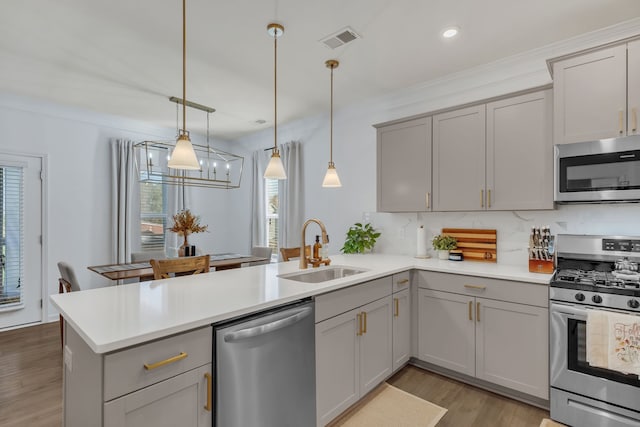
[31,387]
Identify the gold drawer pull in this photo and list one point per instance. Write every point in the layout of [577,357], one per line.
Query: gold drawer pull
[470,310]
[621,121]
[150,366]
[359,317]
[489,198]
[634,116]
[402,282]
[482,288]
[208,406]
[478,312]
[397,311]
[482,198]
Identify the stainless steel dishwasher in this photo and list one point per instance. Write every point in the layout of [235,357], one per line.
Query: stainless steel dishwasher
[265,369]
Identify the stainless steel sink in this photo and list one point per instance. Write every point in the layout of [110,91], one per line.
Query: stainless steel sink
[323,274]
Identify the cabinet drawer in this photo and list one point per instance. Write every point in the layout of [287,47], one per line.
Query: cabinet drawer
[504,290]
[401,281]
[334,303]
[125,371]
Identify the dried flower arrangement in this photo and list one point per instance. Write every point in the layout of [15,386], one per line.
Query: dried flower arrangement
[185,223]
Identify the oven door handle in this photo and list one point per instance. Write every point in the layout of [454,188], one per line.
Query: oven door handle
[568,310]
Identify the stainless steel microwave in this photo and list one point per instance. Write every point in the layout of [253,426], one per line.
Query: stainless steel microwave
[601,171]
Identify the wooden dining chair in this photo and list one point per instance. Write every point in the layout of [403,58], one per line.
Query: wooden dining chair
[292,253]
[66,283]
[167,268]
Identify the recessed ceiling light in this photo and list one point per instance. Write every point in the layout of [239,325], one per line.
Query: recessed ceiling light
[450,32]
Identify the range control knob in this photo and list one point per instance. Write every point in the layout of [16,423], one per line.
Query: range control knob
[597,299]
[580,296]
[633,303]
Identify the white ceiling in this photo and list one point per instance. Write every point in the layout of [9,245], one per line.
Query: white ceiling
[123,57]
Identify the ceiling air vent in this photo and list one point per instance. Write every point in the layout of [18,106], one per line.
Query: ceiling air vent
[340,38]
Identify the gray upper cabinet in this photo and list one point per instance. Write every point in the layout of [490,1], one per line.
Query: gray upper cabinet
[459,160]
[520,153]
[590,96]
[404,166]
[633,86]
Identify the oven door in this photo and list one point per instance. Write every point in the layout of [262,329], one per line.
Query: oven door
[569,369]
[605,170]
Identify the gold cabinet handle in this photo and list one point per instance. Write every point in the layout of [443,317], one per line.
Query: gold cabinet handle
[488,198]
[150,366]
[634,118]
[397,310]
[478,312]
[482,288]
[470,310]
[482,198]
[364,315]
[208,406]
[402,282]
[621,121]
[359,316]
[428,200]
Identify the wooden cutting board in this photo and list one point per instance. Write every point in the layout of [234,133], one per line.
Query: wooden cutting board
[476,244]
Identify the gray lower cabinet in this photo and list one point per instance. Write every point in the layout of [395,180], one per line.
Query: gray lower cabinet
[401,328]
[167,382]
[353,348]
[493,330]
[178,401]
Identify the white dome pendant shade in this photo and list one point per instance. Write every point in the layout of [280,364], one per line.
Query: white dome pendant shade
[331,178]
[184,156]
[275,168]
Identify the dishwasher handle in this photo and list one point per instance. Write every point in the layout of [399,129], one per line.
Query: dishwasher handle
[255,331]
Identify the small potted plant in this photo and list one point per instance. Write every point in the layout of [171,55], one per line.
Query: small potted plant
[360,239]
[443,244]
[185,223]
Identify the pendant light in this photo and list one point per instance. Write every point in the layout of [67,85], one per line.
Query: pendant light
[331,179]
[184,156]
[275,169]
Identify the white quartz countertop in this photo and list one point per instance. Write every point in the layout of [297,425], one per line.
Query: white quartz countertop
[116,317]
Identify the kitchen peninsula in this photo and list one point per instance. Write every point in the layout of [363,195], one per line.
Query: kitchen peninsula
[103,324]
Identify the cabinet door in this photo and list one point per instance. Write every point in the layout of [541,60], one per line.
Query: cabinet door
[520,153]
[401,328]
[178,401]
[337,358]
[375,344]
[446,330]
[590,96]
[633,83]
[404,166]
[512,346]
[459,160]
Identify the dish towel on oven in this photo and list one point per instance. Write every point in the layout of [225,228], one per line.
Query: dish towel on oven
[597,338]
[624,343]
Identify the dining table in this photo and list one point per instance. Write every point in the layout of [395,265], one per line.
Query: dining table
[143,269]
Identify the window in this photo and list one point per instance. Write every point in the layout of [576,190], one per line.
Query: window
[272,208]
[11,236]
[153,213]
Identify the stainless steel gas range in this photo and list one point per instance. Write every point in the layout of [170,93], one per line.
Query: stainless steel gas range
[592,273]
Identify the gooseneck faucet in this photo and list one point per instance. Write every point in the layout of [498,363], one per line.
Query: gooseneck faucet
[325,240]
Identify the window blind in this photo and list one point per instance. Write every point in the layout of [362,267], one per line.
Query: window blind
[11,236]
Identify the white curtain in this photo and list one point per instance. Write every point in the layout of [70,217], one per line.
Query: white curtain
[125,206]
[291,200]
[291,191]
[258,204]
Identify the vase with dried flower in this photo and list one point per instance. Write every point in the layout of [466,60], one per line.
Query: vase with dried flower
[185,223]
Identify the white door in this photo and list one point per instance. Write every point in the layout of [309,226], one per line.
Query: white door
[20,240]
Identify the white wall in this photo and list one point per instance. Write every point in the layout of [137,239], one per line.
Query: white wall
[76,144]
[355,158]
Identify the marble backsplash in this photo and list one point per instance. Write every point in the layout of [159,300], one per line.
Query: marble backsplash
[513,227]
